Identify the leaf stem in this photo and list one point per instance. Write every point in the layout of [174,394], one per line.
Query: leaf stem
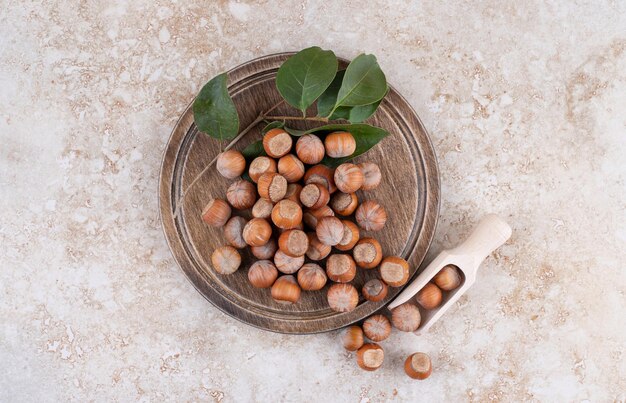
[259,119]
[309,118]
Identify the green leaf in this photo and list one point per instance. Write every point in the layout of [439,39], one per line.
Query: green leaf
[295,132]
[273,125]
[304,76]
[214,111]
[354,114]
[327,100]
[253,150]
[363,83]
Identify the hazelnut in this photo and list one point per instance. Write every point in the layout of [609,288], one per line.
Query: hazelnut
[375,290]
[241,194]
[311,217]
[371,216]
[286,214]
[344,203]
[291,168]
[286,289]
[231,164]
[394,271]
[329,230]
[262,208]
[352,338]
[287,264]
[429,297]
[216,213]
[406,317]
[448,278]
[371,175]
[266,251]
[310,149]
[311,277]
[340,268]
[317,250]
[233,232]
[418,366]
[259,166]
[367,253]
[262,274]
[323,175]
[342,297]
[314,195]
[293,242]
[277,143]
[293,192]
[370,357]
[272,186]
[225,260]
[257,232]
[377,327]
[348,178]
[339,144]
[350,236]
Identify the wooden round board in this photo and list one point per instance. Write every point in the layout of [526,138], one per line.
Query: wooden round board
[409,191]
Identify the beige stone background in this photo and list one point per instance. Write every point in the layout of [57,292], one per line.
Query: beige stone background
[525,102]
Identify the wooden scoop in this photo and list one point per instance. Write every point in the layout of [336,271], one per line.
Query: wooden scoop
[490,233]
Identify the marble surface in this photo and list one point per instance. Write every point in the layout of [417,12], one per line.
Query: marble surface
[525,104]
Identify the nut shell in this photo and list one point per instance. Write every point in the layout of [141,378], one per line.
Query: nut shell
[291,168]
[348,178]
[340,268]
[367,253]
[293,192]
[418,366]
[262,274]
[287,264]
[266,251]
[241,194]
[259,166]
[342,297]
[286,289]
[311,217]
[339,144]
[317,250]
[225,260]
[329,230]
[371,216]
[310,149]
[231,164]
[394,271]
[352,338]
[344,203]
[314,196]
[448,278]
[277,142]
[375,290]
[262,208]
[257,232]
[323,175]
[371,175]
[216,213]
[406,317]
[377,327]
[312,277]
[293,242]
[370,357]
[429,297]
[287,214]
[350,237]
[233,232]
[272,186]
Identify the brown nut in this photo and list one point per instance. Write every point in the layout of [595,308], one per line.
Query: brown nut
[375,290]
[262,208]
[344,203]
[311,277]
[352,338]
[277,143]
[293,192]
[293,242]
[231,164]
[448,278]
[329,230]
[394,271]
[418,366]
[266,251]
[286,214]
[342,297]
[310,149]
[367,253]
[287,264]
[262,274]
[340,268]
[371,216]
[216,213]
[272,186]
[286,289]
[377,327]
[225,260]
[317,250]
[429,297]
[291,168]
[348,178]
[257,232]
[406,317]
[339,144]
[311,217]
[371,175]
[259,166]
[233,232]
[370,357]
[241,194]
[314,196]
[323,175]
[350,236]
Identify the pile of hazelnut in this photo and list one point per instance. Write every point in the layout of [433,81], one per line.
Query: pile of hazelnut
[311,208]
[405,317]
